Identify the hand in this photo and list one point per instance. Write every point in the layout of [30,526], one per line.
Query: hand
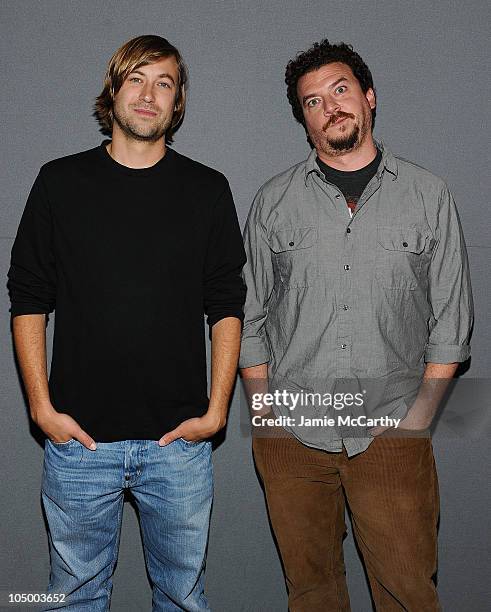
[255,390]
[412,422]
[195,429]
[60,427]
[436,379]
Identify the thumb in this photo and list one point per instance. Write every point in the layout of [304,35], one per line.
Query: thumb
[84,438]
[170,436]
[376,431]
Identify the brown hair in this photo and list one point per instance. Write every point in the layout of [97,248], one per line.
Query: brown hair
[138,52]
[319,55]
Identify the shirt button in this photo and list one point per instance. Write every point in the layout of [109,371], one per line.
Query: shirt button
[348,230]
[338,195]
[346,267]
[404,244]
[126,477]
[291,243]
[343,346]
[345,307]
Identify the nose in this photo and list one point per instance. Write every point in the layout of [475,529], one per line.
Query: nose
[146,93]
[331,106]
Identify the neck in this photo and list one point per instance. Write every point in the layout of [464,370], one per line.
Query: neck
[135,153]
[353,160]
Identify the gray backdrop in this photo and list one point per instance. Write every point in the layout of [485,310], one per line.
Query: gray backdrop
[429,62]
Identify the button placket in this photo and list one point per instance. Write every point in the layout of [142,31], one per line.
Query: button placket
[131,462]
[344,324]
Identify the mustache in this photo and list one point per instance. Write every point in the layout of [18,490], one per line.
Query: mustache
[333,118]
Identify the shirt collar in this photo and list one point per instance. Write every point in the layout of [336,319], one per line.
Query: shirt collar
[388,162]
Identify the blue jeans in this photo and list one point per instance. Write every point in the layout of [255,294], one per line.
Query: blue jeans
[82,493]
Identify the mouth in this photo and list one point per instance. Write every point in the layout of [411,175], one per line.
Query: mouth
[145,112]
[338,121]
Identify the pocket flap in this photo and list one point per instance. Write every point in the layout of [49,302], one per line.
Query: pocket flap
[401,239]
[293,239]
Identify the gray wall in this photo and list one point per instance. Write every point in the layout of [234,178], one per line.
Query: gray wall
[429,62]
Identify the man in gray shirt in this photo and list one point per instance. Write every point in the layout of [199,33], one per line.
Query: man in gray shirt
[358,311]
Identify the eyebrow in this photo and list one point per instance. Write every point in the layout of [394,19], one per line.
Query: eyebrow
[313,95]
[164,75]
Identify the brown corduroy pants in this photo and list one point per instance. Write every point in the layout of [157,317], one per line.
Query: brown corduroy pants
[392,494]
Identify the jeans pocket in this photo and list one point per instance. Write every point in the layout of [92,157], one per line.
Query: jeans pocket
[191,442]
[61,444]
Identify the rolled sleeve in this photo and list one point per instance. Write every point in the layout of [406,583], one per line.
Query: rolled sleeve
[259,279]
[32,273]
[224,289]
[449,289]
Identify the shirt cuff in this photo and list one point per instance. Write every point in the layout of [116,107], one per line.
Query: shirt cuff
[27,309]
[447,353]
[253,351]
[237,314]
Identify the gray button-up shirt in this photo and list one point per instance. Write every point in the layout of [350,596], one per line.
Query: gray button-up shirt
[374,296]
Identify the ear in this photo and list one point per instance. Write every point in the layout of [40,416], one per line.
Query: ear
[370,96]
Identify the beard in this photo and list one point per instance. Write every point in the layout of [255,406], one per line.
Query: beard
[149,132]
[346,141]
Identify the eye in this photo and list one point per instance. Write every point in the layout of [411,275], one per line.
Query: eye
[313,102]
[341,89]
[134,80]
[164,84]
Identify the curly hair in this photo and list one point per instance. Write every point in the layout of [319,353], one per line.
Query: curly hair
[137,52]
[320,54]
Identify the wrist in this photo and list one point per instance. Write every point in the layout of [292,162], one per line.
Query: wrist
[217,416]
[40,410]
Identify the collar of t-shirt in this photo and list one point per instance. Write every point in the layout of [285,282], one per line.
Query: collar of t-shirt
[351,183]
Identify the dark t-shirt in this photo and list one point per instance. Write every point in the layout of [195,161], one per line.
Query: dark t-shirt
[352,183]
[130,260]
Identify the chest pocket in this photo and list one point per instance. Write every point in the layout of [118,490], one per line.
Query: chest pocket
[400,255]
[294,256]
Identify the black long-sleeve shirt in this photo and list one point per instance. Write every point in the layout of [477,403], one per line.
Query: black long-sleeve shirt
[131,259]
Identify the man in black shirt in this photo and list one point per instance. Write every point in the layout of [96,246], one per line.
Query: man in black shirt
[131,243]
